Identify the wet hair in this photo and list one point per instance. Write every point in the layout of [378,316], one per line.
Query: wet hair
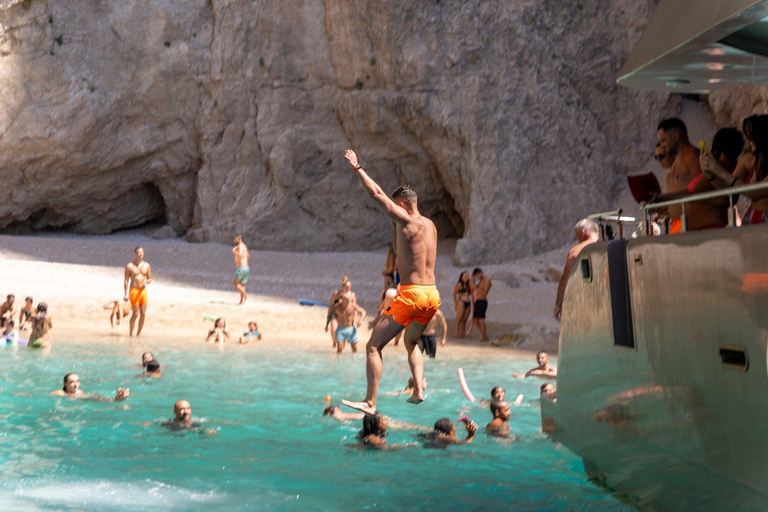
[328,411]
[496,405]
[495,389]
[673,124]
[444,426]
[406,193]
[478,270]
[756,130]
[65,380]
[372,425]
[153,366]
[29,299]
[728,142]
[587,225]
[42,307]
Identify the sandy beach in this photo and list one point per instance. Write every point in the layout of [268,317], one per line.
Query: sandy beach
[76,275]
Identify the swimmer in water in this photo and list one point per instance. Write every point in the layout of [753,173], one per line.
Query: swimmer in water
[544,369]
[498,394]
[374,433]
[499,426]
[152,369]
[548,390]
[409,388]
[444,434]
[146,357]
[183,420]
[72,389]
[336,413]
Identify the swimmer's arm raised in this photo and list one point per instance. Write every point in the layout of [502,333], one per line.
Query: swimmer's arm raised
[375,192]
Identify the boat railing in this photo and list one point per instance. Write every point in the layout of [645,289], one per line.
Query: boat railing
[604,220]
[729,192]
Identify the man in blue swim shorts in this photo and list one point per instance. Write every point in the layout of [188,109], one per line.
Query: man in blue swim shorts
[346,310]
[242,258]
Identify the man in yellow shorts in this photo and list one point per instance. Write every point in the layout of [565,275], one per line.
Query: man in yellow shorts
[138,274]
[415,238]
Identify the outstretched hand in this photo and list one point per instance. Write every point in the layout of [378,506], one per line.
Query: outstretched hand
[122,394]
[351,158]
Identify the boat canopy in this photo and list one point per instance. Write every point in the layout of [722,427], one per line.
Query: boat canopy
[699,46]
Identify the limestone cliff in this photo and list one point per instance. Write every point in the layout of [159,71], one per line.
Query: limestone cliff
[224,116]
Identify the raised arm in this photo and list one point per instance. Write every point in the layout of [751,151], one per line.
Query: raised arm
[375,192]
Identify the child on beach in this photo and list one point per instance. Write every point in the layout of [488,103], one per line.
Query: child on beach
[10,335]
[251,335]
[25,315]
[119,309]
[219,332]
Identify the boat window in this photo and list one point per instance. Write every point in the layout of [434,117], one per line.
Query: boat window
[621,305]
[586,269]
[734,357]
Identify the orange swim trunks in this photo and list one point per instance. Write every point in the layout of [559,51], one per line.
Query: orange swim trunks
[414,302]
[138,296]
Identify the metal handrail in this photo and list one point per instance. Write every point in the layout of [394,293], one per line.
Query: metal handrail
[701,196]
[728,192]
[612,216]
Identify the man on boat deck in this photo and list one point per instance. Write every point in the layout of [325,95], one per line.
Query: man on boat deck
[587,232]
[673,137]
[418,300]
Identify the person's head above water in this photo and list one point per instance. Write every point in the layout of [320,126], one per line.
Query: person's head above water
[500,410]
[153,366]
[328,411]
[547,387]
[374,425]
[542,358]
[498,393]
[182,411]
[71,383]
[405,197]
[445,426]
[146,357]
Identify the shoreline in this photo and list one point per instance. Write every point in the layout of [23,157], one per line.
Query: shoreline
[76,275]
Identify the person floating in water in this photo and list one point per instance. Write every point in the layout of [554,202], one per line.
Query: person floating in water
[374,433]
[499,426]
[41,327]
[544,369]
[242,259]
[418,300]
[152,369]
[251,335]
[138,274]
[72,389]
[183,420]
[444,433]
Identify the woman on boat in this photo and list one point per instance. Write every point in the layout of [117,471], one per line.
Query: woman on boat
[41,326]
[462,301]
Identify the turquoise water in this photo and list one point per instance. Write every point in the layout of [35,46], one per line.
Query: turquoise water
[273,449]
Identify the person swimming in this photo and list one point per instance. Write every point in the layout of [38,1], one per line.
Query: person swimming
[146,357]
[499,426]
[183,420]
[71,389]
[152,369]
[444,433]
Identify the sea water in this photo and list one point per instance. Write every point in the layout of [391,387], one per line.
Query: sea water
[272,448]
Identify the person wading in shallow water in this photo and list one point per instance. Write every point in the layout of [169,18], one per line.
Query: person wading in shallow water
[415,242]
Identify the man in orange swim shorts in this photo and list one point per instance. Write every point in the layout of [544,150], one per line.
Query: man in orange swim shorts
[138,274]
[415,238]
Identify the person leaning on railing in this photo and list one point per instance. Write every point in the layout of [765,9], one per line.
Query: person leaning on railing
[751,168]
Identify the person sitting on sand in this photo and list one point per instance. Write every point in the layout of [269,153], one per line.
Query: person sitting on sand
[544,369]
[146,357]
[444,433]
[409,387]
[41,327]
[499,426]
[10,335]
[118,310]
[219,332]
[252,334]
[25,315]
[8,309]
[548,390]
[72,389]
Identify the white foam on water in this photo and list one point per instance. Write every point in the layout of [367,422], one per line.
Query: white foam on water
[111,494]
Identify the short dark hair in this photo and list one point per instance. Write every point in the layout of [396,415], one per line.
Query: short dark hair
[444,426]
[10,295]
[29,299]
[541,352]
[672,124]
[478,270]
[496,405]
[371,425]
[494,389]
[404,192]
[42,307]
[728,142]
[153,366]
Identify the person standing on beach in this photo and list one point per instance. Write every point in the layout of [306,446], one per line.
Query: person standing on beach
[415,243]
[482,286]
[138,274]
[41,327]
[242,257]
[345,309]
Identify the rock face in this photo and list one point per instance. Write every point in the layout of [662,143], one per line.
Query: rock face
[231,116]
